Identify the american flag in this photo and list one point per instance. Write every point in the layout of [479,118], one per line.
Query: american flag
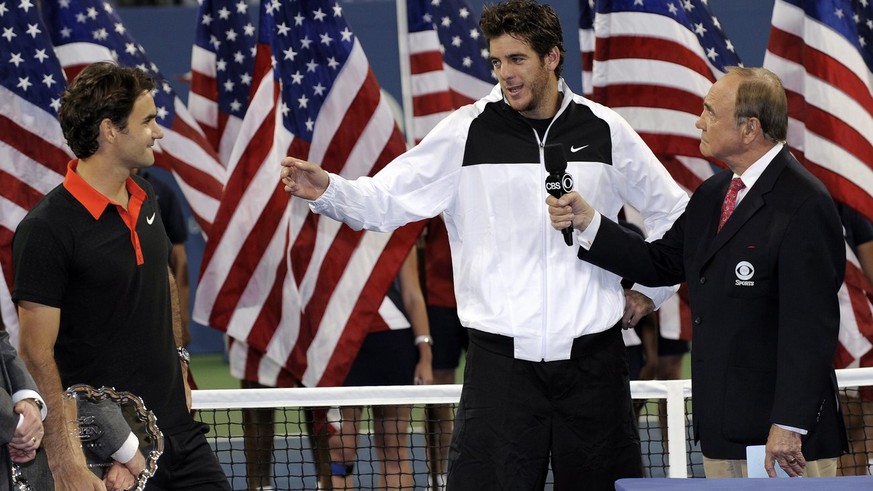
[823,52]
[295,291]
[448,59]
[586,44]
[87,31]
[33,152]
[856,317]
[654,62]
[221,71]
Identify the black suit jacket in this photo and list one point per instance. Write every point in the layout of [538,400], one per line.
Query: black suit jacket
[763,295]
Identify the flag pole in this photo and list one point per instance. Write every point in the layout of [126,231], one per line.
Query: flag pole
[405,71]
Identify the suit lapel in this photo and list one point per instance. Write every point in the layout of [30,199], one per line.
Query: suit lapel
[751,203]
[708,213]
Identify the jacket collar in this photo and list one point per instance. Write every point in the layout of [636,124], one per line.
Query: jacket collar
[751,203]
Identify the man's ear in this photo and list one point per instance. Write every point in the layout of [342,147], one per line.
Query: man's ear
[751,129]
[553,57]
[108,131]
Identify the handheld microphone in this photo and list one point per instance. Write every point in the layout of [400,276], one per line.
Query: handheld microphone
[558,182]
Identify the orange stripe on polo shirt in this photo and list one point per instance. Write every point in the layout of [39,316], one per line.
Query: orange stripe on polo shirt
[96,203]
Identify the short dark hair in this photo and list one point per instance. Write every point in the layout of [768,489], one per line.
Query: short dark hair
[761,95]
[534,23]
[102,90]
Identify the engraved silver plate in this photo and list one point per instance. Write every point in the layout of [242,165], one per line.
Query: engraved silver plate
[103,412]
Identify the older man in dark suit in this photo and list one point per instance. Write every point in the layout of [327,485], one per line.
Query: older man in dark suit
[21,413]
[761,249]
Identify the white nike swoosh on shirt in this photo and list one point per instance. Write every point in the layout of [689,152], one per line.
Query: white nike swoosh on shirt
[576,149]
[150,219]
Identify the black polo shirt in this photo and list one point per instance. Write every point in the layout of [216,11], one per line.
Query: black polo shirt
[105,268]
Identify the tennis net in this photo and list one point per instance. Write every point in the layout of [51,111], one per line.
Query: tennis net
[287,438]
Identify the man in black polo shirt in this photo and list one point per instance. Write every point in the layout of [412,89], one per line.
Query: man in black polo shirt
[93,288]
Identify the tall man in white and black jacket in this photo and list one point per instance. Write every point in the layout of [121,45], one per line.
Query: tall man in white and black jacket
[762,251]
[546,374]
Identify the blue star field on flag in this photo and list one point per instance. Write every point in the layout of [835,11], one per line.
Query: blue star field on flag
[230,34]
[28,65]
[311,43]
[586,14]
[853,19]
[458,32]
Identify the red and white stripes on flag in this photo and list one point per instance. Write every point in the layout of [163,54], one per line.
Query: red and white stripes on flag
[33,159]
[823,52]
[33,152]
[448,61]
[87,31]
[294,291]
[654,64]
[856,317]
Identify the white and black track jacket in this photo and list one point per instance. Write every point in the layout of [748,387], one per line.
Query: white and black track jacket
[482,167]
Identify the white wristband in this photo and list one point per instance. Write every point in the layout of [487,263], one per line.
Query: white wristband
[423,339]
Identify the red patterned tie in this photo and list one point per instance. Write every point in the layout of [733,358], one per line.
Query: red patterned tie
[730,201]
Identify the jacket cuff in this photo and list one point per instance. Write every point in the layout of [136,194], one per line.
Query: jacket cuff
[585,238]
[30,394]
[128,449]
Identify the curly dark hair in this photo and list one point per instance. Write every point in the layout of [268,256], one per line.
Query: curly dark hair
[102,90]
[534,23]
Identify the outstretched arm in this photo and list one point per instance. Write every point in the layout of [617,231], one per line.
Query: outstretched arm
[624,253]
[303,179]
